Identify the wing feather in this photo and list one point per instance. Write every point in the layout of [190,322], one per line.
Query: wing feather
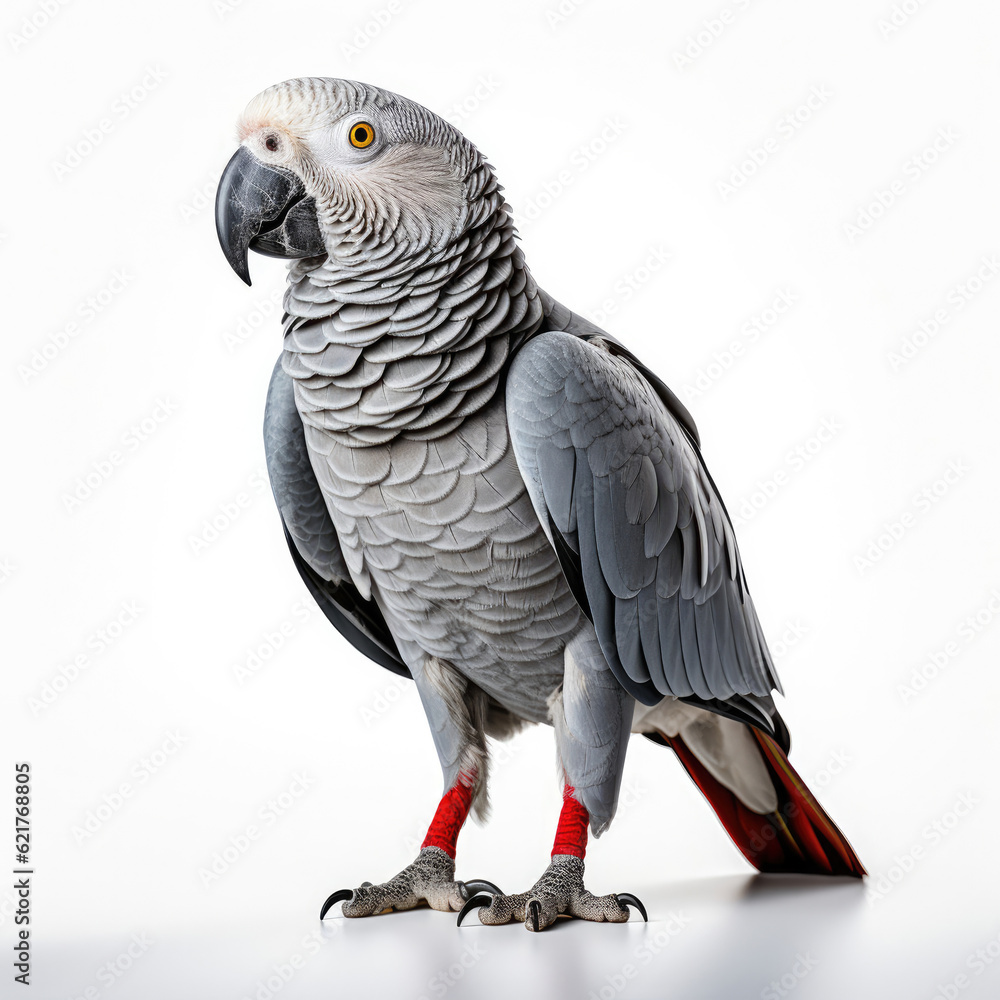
[614,470]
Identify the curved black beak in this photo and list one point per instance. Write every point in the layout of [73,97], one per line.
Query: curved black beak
[264,208]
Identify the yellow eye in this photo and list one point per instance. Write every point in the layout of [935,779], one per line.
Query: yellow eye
[362,134]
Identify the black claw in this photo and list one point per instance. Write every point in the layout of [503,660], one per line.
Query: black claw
[483,885]
[338,897]
[625,898]
[472,904]
[534,907]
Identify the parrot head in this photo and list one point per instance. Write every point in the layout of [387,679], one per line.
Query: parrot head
[338,168]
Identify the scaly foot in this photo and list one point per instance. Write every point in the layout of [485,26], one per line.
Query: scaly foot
[560,890]
[430,879]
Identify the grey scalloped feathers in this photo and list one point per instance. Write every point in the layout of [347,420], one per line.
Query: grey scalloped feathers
[489,495]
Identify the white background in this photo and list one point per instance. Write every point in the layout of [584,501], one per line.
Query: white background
[612,155]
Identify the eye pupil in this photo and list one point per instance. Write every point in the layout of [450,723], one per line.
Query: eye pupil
[361,134]
[272,143]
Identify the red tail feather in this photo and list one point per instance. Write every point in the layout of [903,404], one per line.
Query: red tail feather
[798,837]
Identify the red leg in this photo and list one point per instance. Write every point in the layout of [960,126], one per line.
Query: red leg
[431,877]
[571,834]
[452,812]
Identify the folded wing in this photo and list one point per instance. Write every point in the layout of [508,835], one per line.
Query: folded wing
[620,487]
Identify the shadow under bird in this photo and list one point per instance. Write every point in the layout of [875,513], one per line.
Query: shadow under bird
[487,493]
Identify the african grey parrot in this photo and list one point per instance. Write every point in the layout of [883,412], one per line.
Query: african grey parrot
[488,494]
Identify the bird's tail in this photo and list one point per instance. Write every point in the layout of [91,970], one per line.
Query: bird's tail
[798,836]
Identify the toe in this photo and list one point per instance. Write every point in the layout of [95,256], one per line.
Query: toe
[498,909]
[447,897]
[590,907]
[540,912]
[368,900]
[503,909]
[361,903]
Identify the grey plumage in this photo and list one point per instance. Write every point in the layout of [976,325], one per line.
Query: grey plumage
[312,539]
[613,472]
[494,481]
[481,488]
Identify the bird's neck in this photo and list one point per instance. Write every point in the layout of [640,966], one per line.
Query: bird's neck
[394,343]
